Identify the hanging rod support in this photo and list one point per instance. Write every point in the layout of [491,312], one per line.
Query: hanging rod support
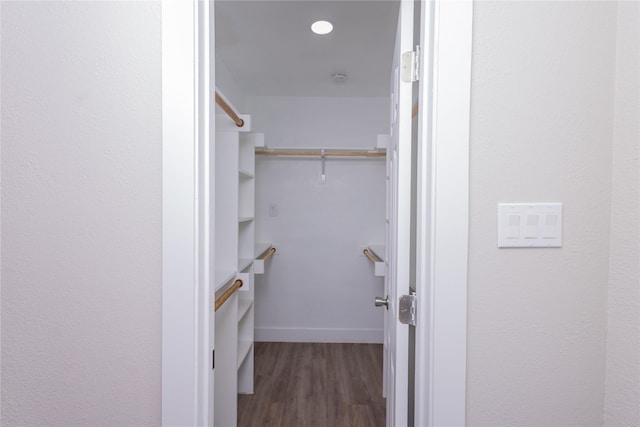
[269,254]
[227,109]
[369,255]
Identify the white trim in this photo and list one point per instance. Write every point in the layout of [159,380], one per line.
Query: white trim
[443,214]
[0,217]
[205,319]
[186,359]
[330,335]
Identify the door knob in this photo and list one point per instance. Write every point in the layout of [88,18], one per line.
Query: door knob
[382,301]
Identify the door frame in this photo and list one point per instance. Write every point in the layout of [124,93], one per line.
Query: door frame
[444,188]
[188,70]
[443,213]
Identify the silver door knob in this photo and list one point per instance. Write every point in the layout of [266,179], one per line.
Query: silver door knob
[382,301]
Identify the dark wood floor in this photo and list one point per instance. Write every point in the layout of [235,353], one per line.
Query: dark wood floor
[312,384]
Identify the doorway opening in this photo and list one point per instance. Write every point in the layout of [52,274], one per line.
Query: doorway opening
[312,305]
[190,363]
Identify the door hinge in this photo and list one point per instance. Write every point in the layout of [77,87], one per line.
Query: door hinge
[407,309]
[213,359]
[411,66]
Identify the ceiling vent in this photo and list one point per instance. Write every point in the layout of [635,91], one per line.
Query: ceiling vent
[339,78]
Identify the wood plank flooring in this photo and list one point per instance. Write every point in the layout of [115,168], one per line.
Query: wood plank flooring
[316,385]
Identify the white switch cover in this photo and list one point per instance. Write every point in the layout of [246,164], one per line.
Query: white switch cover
[529,225]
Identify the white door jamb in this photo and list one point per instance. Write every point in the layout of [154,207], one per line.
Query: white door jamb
[443,213]
[186,101]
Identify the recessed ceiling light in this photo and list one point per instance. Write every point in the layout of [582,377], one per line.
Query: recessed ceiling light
[322,27]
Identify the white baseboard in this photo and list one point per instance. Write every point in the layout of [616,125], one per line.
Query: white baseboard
[372,336]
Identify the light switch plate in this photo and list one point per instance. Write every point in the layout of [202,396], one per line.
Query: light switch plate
[529,225]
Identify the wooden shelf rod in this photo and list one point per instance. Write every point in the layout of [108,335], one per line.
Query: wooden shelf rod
[269,254]
[319,153]
[227,109]
[227,294]
[371,257]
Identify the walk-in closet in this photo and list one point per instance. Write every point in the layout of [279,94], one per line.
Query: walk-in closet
[301,212]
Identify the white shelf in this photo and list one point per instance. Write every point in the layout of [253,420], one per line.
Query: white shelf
[223,277]
[246,174]
[243,307]
[245,218]
[244,347]
[244,263]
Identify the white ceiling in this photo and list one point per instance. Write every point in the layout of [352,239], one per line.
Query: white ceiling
[270,50]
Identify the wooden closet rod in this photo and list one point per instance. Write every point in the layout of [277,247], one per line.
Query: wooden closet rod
[227,294]
[269,254]
[332,153]
[227,109]
[371,257]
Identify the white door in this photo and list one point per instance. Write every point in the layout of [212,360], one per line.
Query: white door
[398,232]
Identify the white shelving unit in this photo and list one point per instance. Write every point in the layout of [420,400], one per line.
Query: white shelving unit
[225,257]
[246,244]
[233,258]
[225,231]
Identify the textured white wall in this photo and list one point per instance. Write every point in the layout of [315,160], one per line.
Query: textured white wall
[81,213]
[622,392]
[541,130]
[319,286]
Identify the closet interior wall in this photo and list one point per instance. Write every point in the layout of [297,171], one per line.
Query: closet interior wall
[319,287]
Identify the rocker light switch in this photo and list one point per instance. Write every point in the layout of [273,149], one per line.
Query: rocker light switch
[549,227]
[529,225]
[513,229]
[531,229]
